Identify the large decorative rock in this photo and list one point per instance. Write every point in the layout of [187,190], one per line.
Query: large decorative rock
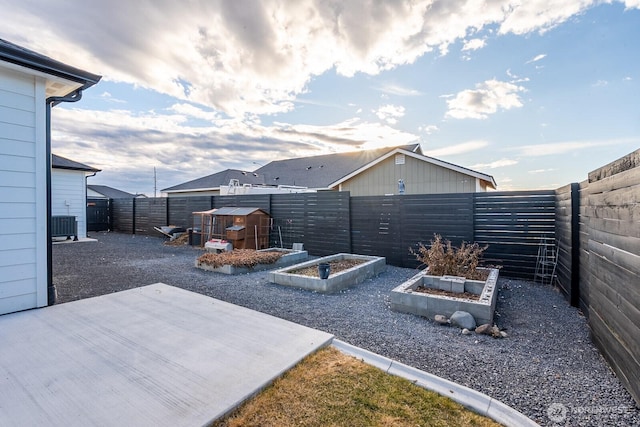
[463,320]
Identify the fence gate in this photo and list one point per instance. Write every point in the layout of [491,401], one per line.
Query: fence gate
[98,214]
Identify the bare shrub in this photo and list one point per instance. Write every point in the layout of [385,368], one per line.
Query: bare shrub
[444,259]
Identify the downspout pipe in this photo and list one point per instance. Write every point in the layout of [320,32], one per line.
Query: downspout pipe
[52,101]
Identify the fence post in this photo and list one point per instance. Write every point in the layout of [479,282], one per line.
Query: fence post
[575,245]
[133,213]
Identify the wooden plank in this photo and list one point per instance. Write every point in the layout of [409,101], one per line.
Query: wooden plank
[621,316]
[630,245]
[630,161]
[620,197]
[622,281]
[626,367]
[628,178]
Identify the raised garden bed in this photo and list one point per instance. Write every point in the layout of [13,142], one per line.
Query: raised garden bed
[337,281]
[406,299]
[287,257]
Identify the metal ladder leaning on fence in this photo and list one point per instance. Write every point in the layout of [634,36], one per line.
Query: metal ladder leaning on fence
[547,261]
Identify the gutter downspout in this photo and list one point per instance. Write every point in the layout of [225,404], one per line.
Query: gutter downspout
[51,101]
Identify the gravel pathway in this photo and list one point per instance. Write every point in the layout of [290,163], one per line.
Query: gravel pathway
[546,368]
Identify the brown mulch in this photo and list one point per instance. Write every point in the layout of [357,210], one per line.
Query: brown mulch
[466,295]
[240,258]
[335,267]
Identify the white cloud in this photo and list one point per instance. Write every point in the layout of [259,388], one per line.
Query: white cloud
[473,44]
[256,56]
[557,148]
[496,164]
[428,129]
[461,148]
[390,113]
[487,98]
[123,143]
[542,170]
[536,58]
[393,89]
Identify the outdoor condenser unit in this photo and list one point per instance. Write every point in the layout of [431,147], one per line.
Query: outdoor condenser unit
[64,226]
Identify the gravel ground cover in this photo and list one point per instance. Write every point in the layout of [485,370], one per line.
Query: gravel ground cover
[547,367]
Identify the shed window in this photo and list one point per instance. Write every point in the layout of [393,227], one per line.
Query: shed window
[399,159]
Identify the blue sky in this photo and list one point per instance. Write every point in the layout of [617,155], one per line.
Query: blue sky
[535,93]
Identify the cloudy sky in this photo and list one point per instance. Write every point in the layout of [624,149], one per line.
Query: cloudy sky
[536,93]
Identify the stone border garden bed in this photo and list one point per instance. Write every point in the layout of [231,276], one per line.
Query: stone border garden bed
[289,257]
[372,266]
[405,299]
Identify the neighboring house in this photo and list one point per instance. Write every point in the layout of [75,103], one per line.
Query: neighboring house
[69,190]
[363,173]
[106,192]
[210,185]
[30,84]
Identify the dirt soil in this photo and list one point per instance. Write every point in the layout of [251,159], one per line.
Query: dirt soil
[335,266]
[466,295]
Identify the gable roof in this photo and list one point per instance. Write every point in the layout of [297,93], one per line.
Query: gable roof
[484,177]
[19,56]
[322,171]
[215,180]
[110,192]
[59,162]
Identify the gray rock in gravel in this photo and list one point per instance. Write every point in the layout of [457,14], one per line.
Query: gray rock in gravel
[462,319]
[439,318]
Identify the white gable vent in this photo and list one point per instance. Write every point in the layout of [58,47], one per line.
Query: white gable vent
[399,159]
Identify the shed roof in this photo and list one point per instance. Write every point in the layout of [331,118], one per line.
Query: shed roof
[239,211]
[59,162]
[110,192]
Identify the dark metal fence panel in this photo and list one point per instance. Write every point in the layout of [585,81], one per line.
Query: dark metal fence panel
[326,222]
[423,216]
[150,212]
[287,212]
[98,214]
[181,209]
[261,201]
[512,224]
[122,210]
[376,227]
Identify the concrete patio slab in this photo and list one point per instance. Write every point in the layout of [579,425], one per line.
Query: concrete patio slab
[155,355]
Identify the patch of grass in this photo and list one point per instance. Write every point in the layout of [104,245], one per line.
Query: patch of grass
[240,258]
[329,388]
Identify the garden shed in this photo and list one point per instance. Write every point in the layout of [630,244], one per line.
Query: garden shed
[243,227]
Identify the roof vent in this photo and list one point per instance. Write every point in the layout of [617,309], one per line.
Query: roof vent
[399,159]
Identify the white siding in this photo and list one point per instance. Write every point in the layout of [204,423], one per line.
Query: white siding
[23,240]
[68,196]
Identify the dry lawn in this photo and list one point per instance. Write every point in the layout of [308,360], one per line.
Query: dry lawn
[332,389]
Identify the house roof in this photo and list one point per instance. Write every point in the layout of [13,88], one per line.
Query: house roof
[22,57]
[59,162]
[488,178]
[325,171]
[110,192]
[322,171]
[215,180]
